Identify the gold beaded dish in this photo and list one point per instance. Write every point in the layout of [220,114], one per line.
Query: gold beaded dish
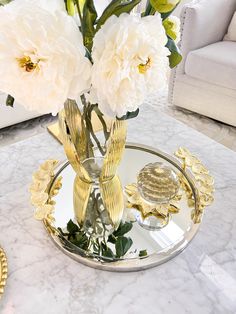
[3,271]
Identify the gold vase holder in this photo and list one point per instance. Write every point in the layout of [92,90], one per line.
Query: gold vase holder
[52,196]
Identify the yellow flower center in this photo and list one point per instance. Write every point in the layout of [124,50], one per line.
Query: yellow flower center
[143,67]
[27,64]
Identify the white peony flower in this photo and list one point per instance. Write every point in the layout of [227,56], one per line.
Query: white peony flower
[130,61]
[42,57]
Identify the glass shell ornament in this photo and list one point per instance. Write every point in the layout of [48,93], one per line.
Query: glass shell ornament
[157,184]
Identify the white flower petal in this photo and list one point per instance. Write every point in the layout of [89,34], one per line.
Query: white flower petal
[120,46]
[45,33]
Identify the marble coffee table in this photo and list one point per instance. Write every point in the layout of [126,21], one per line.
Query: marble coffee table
[42,280]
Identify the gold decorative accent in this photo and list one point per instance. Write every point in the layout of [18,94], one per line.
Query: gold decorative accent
[73,137]
[81,194]
[204,188]
[143,67]
[112,195]
[54,130]
[204,182]
[3,271]
[115,149]
[79,151]
[147,209]
[41,199]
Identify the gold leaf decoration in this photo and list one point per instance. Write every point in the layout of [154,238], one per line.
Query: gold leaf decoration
[81,195]
[203,180]
[115,148]
[39,189]
[112,195]
[73,136]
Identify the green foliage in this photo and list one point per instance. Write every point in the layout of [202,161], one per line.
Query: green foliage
[122,245]
[88,22]
[106,251]
[10,101]
[166,15]
[123,229]
[142,253]
[149,10]
[116,7]
[3,2]
[170,28]
[79,238]
[175,56]
[72,227]
[129,115]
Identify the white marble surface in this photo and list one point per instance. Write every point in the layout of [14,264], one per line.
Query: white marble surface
[202,279]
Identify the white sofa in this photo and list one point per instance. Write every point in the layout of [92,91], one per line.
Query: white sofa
[205,81]
[9,115]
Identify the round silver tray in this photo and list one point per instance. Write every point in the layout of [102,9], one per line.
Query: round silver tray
[161,245]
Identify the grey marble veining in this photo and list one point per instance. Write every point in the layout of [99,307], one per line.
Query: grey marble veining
[202,279]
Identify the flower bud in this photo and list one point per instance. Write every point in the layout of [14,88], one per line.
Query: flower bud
[164,6]
[172,27]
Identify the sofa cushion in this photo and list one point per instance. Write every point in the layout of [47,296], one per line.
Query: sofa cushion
[231,34]
[215,64]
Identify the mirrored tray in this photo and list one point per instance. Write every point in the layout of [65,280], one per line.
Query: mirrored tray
[160,245]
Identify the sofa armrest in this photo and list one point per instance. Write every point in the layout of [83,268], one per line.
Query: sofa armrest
[203,22]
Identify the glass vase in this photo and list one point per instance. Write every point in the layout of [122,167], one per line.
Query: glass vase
[94,147]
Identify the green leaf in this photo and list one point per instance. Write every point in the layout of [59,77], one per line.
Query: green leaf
[88,21]
[149,10]
[116,7]
[142,253]
[72,227]
[129,115]
[10,101]
[122,245]
[106,251]
[70,7]
[166,15]
[123,229]
[80,240]
[3,2]
[112,239]
[175,56]
[62,232]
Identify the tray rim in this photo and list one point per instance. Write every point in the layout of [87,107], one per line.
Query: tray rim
[152,260]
